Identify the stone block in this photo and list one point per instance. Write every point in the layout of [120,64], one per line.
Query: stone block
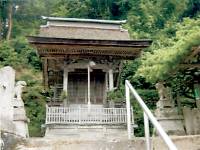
[165,103]
[192,120]
[173,126]
[90,132]
[166,112]
[7,81]
[170,120]
[198,104]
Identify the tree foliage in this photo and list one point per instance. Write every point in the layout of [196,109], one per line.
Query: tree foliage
[158,64]
[8,56]
[94,9]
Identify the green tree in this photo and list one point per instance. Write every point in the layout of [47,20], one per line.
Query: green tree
[8,56]
[157,65]
[94,9]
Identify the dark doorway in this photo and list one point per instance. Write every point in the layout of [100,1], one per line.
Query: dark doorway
[78,86]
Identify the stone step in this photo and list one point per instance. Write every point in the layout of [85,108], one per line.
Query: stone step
[87,132]
[71,144]
[63,143]
[86,106]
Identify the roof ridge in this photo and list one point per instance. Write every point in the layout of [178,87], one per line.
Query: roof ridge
[119,22]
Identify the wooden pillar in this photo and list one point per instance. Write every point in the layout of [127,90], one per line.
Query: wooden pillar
[106,81]
[89,102]
[106,88]
[45,72]
[65,82]
[65,79]
[94,90]
[90,64]
[111,82]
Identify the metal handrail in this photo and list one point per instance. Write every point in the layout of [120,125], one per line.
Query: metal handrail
[147,116]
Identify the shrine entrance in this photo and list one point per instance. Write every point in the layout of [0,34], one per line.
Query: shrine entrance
[78,86]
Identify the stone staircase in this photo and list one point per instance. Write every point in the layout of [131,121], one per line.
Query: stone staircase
[63,143]
[72,144]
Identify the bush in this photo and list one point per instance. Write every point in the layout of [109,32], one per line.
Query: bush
[8,56]
[150,98]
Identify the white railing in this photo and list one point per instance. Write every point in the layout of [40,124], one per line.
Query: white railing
[147,116]
[84,116]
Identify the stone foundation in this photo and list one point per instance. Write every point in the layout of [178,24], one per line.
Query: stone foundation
[192,120]
[9,140]
[60,143]
[87,132]
[169,118]
[20,120]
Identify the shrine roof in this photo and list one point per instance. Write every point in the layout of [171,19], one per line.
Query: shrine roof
[75,28]
[50,46]
[86,37]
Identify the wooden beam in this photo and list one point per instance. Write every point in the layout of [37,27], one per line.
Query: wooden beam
[128,53]
[73,49]
[64,41]
[183,66]
[77,56]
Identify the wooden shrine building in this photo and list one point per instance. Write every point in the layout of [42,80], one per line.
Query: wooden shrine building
[82,57]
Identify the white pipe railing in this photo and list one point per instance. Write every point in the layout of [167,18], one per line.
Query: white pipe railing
[147,116]
[79,115]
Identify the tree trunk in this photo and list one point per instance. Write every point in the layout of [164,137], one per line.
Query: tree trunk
[1,29]
[9,22]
